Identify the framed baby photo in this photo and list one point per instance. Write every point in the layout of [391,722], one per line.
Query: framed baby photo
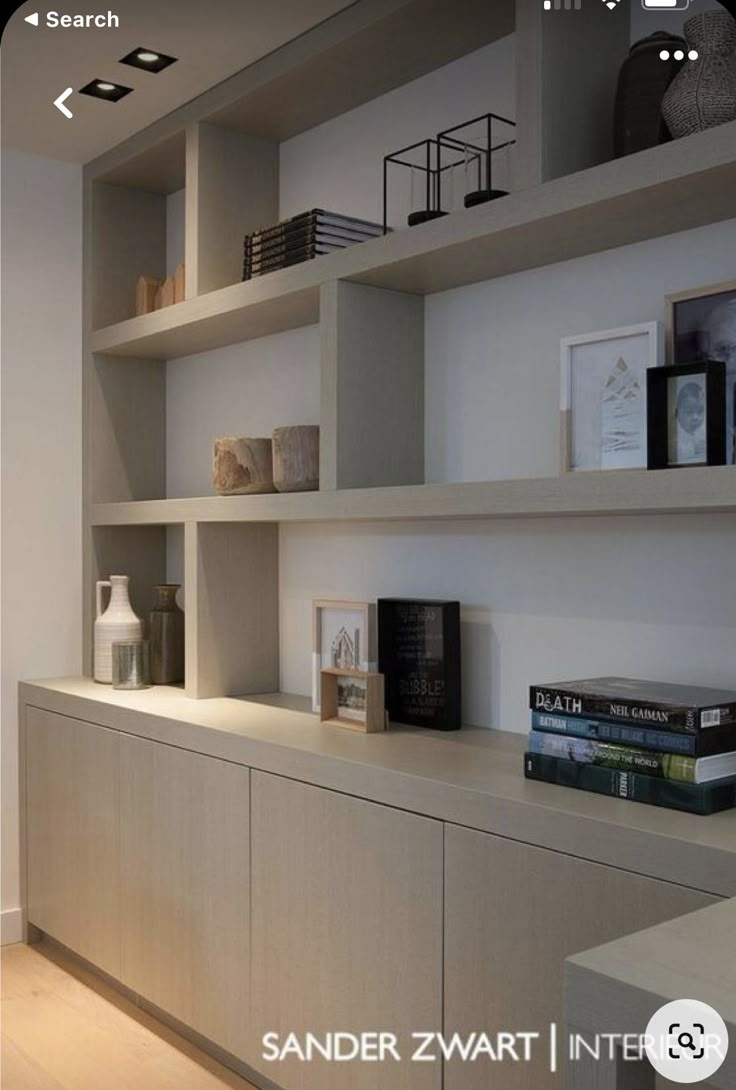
[603,397]
[701,325]
[343,638]
[686,410]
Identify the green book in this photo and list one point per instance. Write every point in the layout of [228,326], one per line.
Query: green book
[668,766]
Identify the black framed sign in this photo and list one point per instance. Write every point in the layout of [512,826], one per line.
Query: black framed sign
[419,654]
[686,409]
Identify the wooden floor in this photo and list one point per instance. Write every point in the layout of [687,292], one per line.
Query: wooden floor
[62,1029]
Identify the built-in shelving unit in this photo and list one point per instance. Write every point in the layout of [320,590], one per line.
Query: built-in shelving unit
[672,188]
[569,200]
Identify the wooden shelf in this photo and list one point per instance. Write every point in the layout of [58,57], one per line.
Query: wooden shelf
[631,492]
[678,186]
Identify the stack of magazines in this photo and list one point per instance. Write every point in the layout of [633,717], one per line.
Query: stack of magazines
[647,741]
[301,238]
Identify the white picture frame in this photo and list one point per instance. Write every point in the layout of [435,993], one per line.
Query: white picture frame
[603,397]
[344,637]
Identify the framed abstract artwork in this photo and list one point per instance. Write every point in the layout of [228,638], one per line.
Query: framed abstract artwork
[603,397]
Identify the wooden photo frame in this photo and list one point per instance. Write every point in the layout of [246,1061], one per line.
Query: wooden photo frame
[353,699]
[603,391]
[686,408]
[701,325]
[353,626]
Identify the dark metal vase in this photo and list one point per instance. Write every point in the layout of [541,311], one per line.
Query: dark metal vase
[167,637]
[642,84]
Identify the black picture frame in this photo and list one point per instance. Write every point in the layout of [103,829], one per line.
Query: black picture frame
[702,401]
[419,655]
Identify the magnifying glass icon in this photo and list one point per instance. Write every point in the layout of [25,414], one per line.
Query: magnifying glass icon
[685,1040]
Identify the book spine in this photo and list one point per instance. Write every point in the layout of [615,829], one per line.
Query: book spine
[608,755]
[300,237]
[660,741]
[692,798]
[310,221]
[279,263]
[645,712]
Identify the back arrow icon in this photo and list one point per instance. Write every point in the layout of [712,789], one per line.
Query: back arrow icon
[59,102]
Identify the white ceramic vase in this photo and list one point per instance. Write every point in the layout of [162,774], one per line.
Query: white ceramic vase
[118,622]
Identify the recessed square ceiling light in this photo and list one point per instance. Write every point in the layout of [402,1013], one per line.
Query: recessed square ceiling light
[149,60]
[103,88]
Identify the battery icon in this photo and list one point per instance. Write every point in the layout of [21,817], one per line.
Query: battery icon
[668,5]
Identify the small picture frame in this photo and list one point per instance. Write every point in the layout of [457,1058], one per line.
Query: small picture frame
[353,699]
[686,411]
[701,325]
[603,397]
[343,638]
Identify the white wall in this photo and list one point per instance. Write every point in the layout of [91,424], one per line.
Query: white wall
[493,349]
[249,389]
[339,165]
[41,454]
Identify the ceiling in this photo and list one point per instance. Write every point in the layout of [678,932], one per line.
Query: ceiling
[212,39]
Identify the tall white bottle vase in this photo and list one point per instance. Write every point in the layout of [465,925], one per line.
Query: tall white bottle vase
[118,622]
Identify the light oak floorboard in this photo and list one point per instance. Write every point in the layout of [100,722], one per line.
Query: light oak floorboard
[64,1029]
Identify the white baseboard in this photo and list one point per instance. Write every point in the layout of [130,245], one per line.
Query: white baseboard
[11,926]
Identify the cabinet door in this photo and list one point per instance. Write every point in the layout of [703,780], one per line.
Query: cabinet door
[347,930]
[185,872]
[72,835]
[513,913]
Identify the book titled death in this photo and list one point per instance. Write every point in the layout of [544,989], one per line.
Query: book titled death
[419,656]
[684,708]
[708,798]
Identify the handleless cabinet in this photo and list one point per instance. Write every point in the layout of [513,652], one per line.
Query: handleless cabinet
[513,913]
[184,836]
[72,834]
[347,930]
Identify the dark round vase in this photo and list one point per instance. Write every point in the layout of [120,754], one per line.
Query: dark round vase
[642,85]
[167,637]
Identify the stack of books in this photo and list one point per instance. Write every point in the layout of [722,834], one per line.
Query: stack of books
[301,238]
[647,741]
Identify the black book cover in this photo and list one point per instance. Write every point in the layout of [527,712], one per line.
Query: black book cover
[659,704]
[419,656]
[706,798]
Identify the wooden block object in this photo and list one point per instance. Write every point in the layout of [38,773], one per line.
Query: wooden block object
[180,284]
[353,699]
[296,458]
[167,292]
[145,294]
[242,466]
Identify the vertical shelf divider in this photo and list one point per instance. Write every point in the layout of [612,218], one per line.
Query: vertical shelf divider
[232,189]
[372,387]
[231,573]
[567,63]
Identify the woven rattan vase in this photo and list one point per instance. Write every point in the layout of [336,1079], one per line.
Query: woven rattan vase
[704,93]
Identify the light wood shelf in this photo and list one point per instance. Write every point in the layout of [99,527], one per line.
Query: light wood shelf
[631,492]
[678,186]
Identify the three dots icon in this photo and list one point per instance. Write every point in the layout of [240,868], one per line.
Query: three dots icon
[678,55]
